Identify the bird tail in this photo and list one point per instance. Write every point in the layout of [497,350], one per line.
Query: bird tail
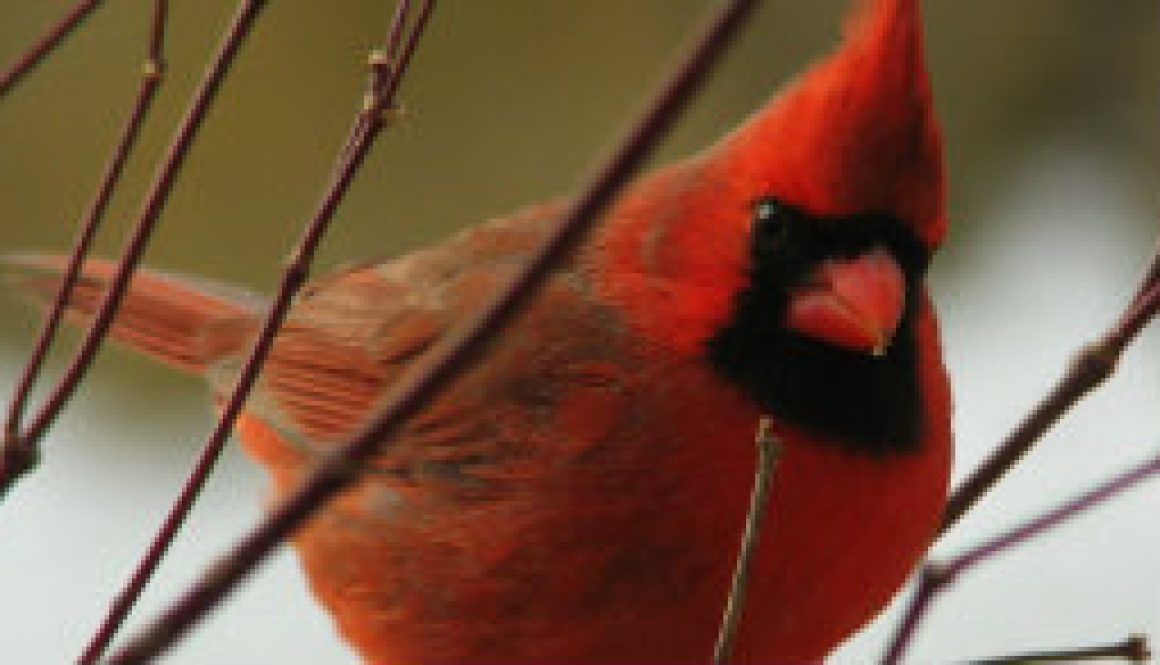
[185,323]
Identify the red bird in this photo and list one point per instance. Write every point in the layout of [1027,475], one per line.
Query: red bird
[577,495]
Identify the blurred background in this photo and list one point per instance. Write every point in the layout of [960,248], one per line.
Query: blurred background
[1051,114]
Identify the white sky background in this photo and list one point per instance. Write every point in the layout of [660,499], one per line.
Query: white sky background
[1020,297]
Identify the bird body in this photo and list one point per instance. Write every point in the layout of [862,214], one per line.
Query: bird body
[577,494]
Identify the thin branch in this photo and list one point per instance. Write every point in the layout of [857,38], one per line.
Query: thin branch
[931,579]
[768,453]
[150,81]
[146,220]
[1091,367]
[43,46]
[366,127]
[1152,274]
[450,356]
[1132,650]
[937,577]
[1101,493]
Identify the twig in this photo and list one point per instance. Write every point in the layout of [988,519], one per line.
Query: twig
[367,125]
[50,40]
[768,452]
[1152,274]
[423,383]
[931,578]
[936,577]
[146,217]
[150,81]
[1091,366]
[1132,650]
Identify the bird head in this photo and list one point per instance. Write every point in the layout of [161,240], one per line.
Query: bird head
[794,249]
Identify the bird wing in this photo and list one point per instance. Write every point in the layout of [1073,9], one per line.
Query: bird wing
[352,334]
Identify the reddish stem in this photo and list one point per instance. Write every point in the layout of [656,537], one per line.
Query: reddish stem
[146,217]
[931,578]
[366,127]
[150,81]
[43,46]
[1091,366]
[931,584]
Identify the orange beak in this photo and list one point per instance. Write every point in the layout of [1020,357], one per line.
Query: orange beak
[851,303]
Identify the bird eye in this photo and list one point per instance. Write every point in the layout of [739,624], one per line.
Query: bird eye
[770,226]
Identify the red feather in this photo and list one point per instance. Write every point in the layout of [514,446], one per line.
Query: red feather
[577,495]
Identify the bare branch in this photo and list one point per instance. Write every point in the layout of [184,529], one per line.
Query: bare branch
[1132,650]
[150,81]
[931,579]
[1091,366]
[146,220]
[768,452]
[43,46]
[366,127]
[936,577]
[423,383]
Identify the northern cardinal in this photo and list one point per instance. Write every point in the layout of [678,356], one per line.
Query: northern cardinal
[577,495]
